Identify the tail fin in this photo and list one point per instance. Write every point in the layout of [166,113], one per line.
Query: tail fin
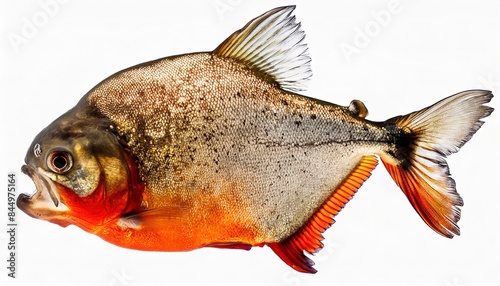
[425,138]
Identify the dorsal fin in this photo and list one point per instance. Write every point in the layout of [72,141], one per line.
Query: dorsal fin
[273,44]
[308,238]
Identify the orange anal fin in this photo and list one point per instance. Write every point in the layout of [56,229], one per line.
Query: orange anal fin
[293,256]
[308,237]
[231,245]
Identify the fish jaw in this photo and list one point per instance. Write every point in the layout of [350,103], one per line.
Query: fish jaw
[45,203]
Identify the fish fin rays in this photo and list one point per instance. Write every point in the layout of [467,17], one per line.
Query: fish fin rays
[434,199]
[153,217]
[419,166]
[308,238]
[273,44]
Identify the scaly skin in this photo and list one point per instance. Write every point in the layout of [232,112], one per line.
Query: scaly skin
[239,152]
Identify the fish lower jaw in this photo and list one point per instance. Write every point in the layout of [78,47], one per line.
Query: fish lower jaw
[45,201]
[40,206]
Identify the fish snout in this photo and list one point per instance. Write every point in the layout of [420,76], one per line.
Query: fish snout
[45,202]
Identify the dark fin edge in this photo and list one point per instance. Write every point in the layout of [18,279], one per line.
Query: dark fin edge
[308,238]
[419,167]
[440,211]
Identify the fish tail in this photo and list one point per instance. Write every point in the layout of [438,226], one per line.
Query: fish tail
[423,139]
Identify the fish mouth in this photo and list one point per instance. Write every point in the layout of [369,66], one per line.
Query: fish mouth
[45,202]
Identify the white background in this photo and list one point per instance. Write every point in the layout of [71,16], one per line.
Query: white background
[423,51]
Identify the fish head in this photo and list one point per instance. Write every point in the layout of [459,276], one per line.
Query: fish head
[82,174]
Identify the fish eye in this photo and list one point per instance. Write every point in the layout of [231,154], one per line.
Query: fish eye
[60,161]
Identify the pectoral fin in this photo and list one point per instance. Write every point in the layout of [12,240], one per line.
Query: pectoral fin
[154,217]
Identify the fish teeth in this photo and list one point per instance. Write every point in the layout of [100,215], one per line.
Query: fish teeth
[42,184]
[50,188]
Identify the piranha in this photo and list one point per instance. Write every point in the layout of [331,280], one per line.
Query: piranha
[219,149]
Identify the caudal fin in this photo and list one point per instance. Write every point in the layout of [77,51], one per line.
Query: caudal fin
[425,138]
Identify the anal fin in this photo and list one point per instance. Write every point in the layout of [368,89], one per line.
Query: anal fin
[308,238]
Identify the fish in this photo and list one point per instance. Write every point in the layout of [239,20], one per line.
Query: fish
[221,149]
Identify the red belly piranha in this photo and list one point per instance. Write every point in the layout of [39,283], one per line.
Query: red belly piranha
[219,149]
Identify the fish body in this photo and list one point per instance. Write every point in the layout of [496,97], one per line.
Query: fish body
[219,149]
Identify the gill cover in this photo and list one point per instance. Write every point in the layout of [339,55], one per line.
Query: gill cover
[78,166]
